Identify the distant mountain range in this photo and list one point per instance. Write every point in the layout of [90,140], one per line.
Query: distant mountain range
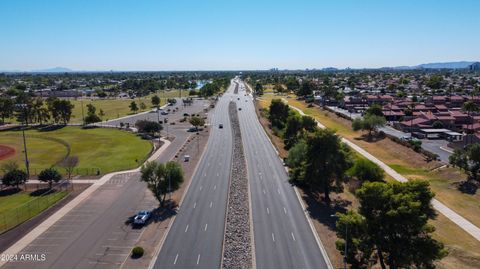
[446,65]
[53,70]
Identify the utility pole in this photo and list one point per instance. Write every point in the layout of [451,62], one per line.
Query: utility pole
[346,244]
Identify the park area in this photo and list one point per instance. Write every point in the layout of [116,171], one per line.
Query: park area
[463,249]
[18,206]
[119,107]
[99,150]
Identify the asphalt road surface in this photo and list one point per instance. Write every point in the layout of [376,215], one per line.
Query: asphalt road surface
[282,235]
[196,236]
[95,233]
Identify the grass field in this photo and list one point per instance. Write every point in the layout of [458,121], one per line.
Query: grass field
[116,108]
[464,248]
[19,207]
[104,149]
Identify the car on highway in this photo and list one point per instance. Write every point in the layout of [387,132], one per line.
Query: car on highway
[220,126]
[142,217]
[164,113]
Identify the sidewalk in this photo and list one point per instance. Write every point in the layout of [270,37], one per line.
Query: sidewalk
[42,227]
[463,223]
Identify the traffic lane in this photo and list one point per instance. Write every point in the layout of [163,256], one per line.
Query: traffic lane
[278,202]
[204,204]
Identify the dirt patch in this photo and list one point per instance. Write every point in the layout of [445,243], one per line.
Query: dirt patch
[6,152]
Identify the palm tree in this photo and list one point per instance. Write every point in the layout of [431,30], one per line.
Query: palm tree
[470,107]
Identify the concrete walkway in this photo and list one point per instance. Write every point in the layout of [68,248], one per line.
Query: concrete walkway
[463,223]
[42,227]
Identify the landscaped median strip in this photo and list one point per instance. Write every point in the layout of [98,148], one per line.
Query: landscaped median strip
[45,225]
[237,247]
[463,223]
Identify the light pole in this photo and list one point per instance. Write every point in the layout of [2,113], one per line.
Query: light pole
[83,115]
[27,163]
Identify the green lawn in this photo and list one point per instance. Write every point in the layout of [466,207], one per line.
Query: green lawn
[19,207]
[115,108]
[105,149]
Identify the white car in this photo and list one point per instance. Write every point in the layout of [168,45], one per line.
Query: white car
[142,217]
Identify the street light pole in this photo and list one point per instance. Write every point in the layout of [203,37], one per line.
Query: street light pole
[346,244]
[27,164]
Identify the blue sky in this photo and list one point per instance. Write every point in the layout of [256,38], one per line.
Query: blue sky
[231,34]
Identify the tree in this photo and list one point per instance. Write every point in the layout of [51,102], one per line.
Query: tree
[278,88]
[162,178]
[40,112]
[92,116]
[196,121]
[14,178]
[437,125]
[61,110]
[366,170]
[143,106]
[7,107]
[292,84]
[258,89]
[155,100]
[146,126]
[69,164]
[295,159]
[306,88]
[369,123]
[309,123]
[133,107]
[326,162]
[293,130]
[50,175]
[278,113]
[467,159]
[392,222]
[375,109]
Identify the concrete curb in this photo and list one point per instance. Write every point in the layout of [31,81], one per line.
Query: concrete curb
[46,224]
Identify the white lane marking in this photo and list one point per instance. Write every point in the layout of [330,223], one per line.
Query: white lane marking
[208,164]
[215,187]
[195,205]
[218,174]
[206,225]
[293,236]
[264,192]
[186,228]
[285,210]
[201,187]
[278,190]
[175,261]
[273,237]
[211,204]
[205,174]
[198,258]
[268,211]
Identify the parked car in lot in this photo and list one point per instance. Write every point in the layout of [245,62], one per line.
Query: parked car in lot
[142,217]
[220,126]
[239,108]
[164,113]
[186,114]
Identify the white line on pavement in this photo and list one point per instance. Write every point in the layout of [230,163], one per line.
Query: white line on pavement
[198,259]
[186,228]
[175,261]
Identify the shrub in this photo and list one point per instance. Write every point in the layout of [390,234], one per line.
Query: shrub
[137,252]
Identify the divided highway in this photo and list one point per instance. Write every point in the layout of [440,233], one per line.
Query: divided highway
[282,235]
[196,237]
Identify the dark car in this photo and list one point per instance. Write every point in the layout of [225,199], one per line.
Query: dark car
[220,126]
